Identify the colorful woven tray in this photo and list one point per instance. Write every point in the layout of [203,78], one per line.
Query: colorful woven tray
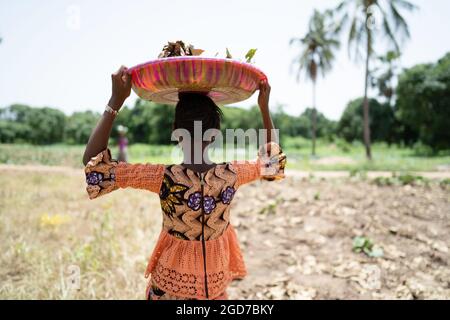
[223,80]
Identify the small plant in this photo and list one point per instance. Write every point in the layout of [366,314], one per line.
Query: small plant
[402,180]
[271,208]
[408,179]
[384,181]
[356,173]
[365,245]
[317,196]
[445,183]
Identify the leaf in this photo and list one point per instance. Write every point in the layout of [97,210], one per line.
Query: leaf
[358,243]
[250,54]
[197,52]
[229,56]
[364,244]
[376,252]
[367,251]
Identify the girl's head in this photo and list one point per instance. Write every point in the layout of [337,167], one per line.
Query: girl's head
[194,106]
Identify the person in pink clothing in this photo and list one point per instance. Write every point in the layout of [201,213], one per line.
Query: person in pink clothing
[122,143]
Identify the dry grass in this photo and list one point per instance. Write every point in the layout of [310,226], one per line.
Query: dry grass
[47,225]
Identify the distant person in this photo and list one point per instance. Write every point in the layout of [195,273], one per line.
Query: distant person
[197,254]
[123,143]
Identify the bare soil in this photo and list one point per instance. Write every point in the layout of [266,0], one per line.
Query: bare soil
[298,244]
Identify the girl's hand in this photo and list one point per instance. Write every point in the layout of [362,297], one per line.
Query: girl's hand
[121,88]
[264,94]
[263,102]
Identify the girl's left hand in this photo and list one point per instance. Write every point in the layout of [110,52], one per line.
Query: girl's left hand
[264,94]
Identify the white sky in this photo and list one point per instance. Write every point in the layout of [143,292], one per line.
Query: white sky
[47,60]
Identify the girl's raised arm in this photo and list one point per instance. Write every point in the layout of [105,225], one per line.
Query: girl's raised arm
[263,102]
[103,174]
[271,159]
[98,141]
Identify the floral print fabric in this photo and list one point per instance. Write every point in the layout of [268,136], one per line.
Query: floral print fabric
[100,175]
[179,188]
[191,210]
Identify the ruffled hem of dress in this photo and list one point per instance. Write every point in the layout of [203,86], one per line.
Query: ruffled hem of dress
[176,265]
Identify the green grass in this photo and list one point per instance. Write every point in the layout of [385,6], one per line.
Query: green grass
[351,157]
[69,155]
[52,155]
[330,156]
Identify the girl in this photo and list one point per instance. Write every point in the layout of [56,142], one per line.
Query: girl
[123,144]
[197,253]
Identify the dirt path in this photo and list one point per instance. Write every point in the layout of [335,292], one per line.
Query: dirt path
[369,174]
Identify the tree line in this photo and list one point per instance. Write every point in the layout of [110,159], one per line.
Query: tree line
[420,113]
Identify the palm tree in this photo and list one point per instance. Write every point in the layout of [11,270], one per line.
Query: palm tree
[317,55]
[360,16]
[383,76]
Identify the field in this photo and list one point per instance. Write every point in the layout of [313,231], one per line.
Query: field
[330,156]
[300,236]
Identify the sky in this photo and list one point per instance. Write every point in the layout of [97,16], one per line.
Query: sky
[61,53]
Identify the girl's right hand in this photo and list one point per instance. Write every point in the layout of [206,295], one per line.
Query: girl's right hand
[121,88]
[264,94]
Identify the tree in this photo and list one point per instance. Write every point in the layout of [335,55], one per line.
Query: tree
[324,128]
[13,124]
[287,124]
[381,121]
[317,55]
[384,75]
[150,122]
[13,132]
[359,15]
[423,102]
[34,125]
[161,124]
[245,119]
[47,125]
[79,126]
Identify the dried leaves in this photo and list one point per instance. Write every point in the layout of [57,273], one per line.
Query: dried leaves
[179,48]
[228,54]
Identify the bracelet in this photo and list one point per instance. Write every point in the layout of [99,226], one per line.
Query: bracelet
[111,110]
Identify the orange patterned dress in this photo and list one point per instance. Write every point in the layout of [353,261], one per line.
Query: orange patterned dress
[197,254]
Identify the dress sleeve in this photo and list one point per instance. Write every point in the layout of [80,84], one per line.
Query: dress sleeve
[104,175]
[268,166]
